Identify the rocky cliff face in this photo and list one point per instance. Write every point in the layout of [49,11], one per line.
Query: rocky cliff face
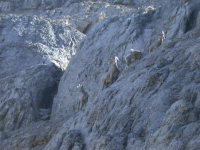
[95,75]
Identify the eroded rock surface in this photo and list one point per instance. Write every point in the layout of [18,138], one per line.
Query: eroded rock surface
[34,52]
[152,104]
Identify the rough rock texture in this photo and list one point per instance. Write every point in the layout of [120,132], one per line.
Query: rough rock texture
[15,5]
[151,103]
[33,53]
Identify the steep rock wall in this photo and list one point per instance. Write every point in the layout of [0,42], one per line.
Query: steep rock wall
[33,54]
[150,103]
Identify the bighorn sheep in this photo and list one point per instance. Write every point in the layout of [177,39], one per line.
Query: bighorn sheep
[112,74]
[157,43]
[83,98]
[133,56]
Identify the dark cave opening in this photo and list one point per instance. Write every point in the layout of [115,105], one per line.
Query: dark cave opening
[44,105]
[47,97]
[191,21]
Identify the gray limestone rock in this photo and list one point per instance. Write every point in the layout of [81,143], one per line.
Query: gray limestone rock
[150,104]
[34,52]
[147,106]
[15,5]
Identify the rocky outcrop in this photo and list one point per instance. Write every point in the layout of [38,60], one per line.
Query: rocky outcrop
[34,51]
[136,111]
[16,5]
[150,102]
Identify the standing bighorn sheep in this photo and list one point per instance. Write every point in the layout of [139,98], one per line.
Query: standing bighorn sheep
[112,74]
[157,43]
[133,56]
[83,98]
